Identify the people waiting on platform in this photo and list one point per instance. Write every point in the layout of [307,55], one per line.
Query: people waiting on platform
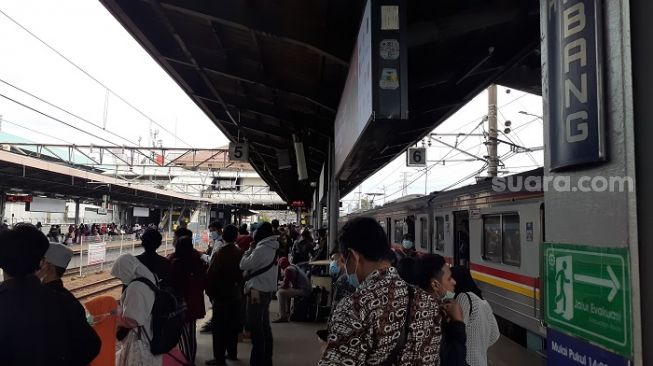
[135,313]
[38,326]
[215,240]
[282,238]
[260,264]
[322,247]
[54,234]
[364,318]
[188,274]
[157,264]
[480,324]
[296,285]
[244,240]
[302,250]
[432,274]
[225,289]
[341,287]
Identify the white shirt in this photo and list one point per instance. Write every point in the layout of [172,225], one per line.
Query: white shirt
[481,328]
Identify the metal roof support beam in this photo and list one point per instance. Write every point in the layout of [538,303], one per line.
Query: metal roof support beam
[297,120]
[246,80]
[241,24]
[157,8]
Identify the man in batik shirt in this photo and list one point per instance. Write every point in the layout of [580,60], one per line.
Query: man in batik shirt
[367,328]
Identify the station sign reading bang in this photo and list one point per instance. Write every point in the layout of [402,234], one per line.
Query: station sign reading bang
[574,49]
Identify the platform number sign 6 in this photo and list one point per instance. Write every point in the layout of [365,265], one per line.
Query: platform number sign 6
[238,152]
[416,156]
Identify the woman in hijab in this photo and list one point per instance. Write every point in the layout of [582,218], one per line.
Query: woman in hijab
[135,313]
[480,325]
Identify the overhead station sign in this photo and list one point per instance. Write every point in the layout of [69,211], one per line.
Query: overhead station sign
[587,294]
[574,64]
[376,84]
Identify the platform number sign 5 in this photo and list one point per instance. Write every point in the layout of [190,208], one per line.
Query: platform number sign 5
[238,152]
[416,156]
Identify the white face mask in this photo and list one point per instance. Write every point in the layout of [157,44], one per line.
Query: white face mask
[448,296]
[214,235]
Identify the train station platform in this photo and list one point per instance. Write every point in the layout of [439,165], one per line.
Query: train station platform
[296,344]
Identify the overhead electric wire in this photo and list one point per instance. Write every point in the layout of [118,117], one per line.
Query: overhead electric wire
[35,131]
[56,119]
[90,76]
[464,179]
[65,111]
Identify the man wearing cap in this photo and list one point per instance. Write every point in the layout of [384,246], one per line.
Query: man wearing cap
[38,326]
[53,265]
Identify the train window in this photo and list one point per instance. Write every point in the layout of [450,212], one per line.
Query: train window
[382,223]
[511,244]
[492,238]
[501,241]
[439,234]
[399,231]
[424,230]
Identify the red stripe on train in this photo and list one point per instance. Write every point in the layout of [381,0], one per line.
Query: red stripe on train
[524,280]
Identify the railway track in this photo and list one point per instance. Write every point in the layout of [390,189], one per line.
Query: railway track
[74,271]
[96,288]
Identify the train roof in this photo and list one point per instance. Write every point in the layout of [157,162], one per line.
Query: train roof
[408,202]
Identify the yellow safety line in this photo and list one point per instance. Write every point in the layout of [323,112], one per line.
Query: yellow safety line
[507,285]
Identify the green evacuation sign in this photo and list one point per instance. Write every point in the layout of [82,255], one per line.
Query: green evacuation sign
[587,294]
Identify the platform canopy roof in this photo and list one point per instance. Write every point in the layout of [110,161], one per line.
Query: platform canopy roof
[264,70]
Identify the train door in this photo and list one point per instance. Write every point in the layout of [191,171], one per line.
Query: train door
[388,232]
[461,238]
[410,227]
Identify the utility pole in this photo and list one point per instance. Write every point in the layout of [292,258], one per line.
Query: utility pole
[493,159]
[426,180]
[404,183]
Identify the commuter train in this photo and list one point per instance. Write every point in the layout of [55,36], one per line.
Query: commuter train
[497,233]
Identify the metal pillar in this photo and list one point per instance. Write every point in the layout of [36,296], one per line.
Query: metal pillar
[76,211]
[493,159]
[3,203]
[334,201]
[641,12]
[170,222]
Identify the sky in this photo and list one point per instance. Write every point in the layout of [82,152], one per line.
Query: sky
[88,35]
[526,131]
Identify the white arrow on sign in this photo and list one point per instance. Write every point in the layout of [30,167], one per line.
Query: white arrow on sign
[612,283]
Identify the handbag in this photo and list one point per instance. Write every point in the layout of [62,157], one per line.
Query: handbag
[393,359]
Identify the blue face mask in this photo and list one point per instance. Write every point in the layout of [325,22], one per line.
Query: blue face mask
[351,277]
[334,269]
[353,280]
[407,244]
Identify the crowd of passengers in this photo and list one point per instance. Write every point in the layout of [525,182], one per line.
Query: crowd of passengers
[76,233]
[389,307]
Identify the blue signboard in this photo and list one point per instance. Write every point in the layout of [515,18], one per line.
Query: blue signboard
[574,49]
[564,350]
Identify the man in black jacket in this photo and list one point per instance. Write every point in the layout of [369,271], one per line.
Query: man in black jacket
[225,289]
[157,264]
[38,326]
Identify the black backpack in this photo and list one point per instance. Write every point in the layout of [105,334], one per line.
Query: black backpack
[167,319]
